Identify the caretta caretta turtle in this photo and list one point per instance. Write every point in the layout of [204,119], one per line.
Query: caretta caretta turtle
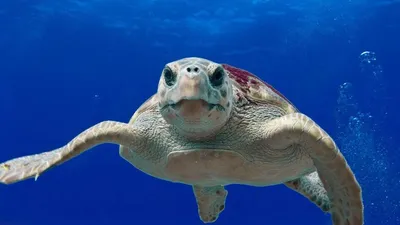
[211,125]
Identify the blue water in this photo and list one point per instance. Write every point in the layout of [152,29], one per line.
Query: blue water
[66,65]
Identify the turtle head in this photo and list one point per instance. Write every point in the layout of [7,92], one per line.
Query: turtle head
[195,96]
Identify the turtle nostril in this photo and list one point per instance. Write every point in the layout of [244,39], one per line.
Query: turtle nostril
[192,69]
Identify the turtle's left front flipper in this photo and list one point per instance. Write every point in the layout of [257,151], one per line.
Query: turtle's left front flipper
[311,187]
[342,188]
[30,166]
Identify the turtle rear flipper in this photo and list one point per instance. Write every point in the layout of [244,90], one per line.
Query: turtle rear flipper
[30,166]
[312,188]
[210,202]
[342,188]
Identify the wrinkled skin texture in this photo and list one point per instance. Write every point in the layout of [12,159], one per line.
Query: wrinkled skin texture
[211,125]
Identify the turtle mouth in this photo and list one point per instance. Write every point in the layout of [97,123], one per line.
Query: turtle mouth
[195,118]
[194,105]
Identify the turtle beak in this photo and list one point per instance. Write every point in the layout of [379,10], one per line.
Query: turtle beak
[189,88]
[192,88]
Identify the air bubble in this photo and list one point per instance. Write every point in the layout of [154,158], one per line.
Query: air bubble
[360,121]
[367,57]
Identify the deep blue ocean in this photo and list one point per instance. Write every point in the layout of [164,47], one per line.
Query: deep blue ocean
[66,65]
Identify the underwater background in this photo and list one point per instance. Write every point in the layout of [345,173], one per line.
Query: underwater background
[66,65]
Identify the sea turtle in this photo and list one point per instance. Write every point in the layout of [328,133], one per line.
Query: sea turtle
[211,125]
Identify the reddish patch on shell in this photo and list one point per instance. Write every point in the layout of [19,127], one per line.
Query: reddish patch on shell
[244,78]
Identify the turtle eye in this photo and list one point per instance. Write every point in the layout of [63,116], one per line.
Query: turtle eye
[169,76]
[217,77]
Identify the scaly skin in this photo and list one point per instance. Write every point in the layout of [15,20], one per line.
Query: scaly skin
[207,128]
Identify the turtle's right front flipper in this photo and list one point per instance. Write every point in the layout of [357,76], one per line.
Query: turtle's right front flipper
[25,167]
[341,186]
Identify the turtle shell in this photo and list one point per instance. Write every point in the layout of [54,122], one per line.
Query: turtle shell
[255,90]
